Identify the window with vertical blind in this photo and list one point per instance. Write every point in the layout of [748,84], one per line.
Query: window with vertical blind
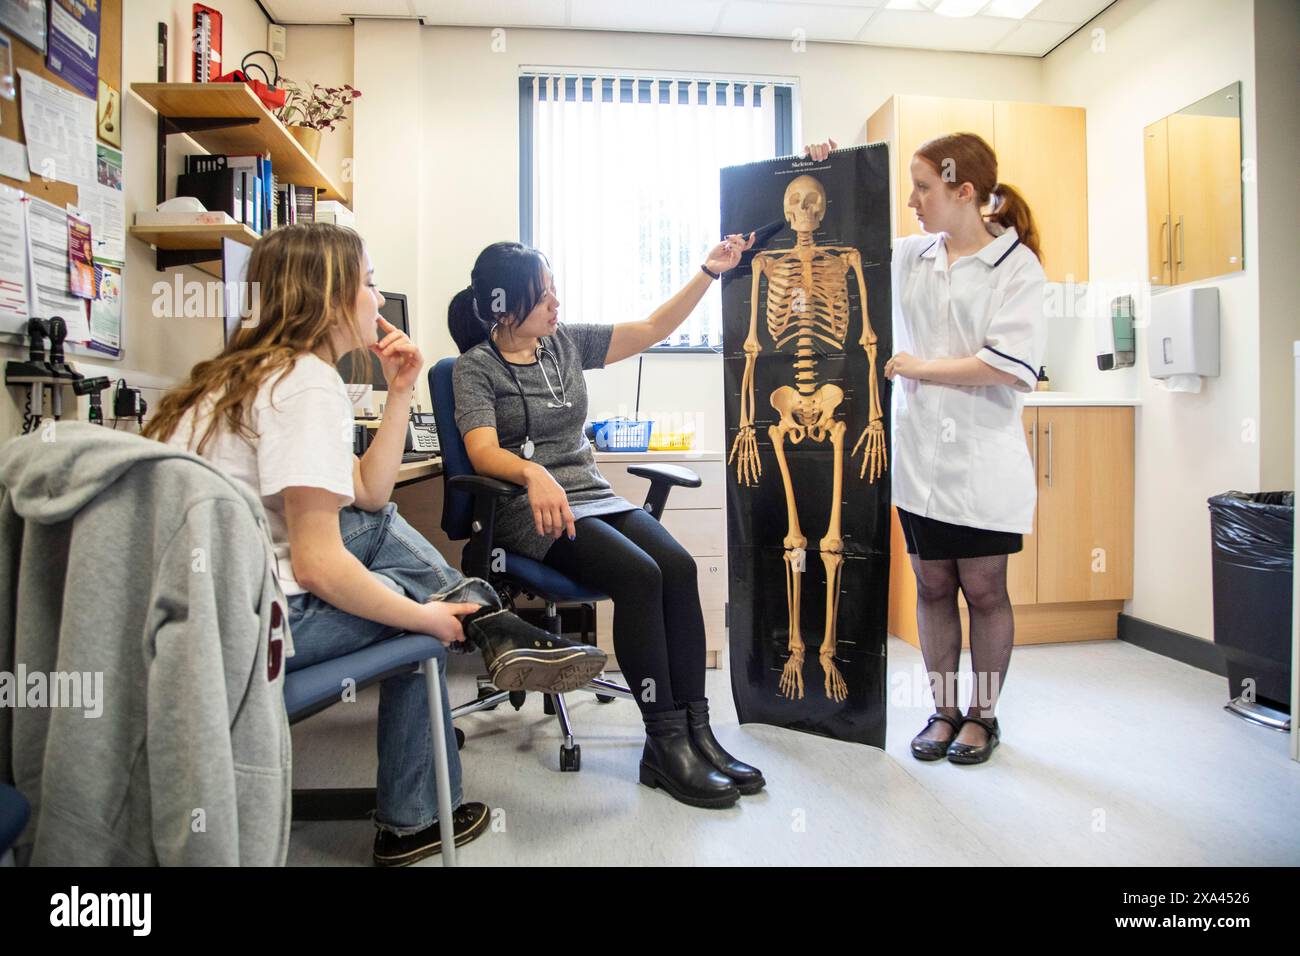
[619,184]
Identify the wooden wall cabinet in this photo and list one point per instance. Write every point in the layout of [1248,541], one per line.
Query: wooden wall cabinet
[1042,151]
[1076,569]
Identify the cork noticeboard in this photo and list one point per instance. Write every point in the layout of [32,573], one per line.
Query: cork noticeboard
[27,58]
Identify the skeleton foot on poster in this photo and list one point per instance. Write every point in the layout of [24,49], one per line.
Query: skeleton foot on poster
[806,332]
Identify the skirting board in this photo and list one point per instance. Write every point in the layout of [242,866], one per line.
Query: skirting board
[1165,641]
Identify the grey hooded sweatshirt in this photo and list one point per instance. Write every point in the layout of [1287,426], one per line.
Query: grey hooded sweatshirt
[130,564]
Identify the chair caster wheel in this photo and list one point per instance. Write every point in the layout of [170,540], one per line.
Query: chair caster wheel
[571,759]
[517,698]
[460,738]
[603,698]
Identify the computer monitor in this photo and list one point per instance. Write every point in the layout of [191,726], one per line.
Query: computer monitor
[234,275]
[394,311]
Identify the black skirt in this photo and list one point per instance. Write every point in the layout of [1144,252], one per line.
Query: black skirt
[933,540]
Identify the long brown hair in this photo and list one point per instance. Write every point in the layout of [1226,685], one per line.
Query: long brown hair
[965,158]
[303,282]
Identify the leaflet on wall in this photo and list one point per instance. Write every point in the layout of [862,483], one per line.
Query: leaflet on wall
[81,257]
[806,332]
[13,160]
[25,19]
[13,261]
[59,126]
[102,204]
[48,295]
[74,43]
[106,310]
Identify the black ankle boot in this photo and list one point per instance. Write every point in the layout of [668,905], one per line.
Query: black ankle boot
[671,761]
[748,780]
[520,656]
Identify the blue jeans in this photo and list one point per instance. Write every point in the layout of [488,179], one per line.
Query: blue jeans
[403,561]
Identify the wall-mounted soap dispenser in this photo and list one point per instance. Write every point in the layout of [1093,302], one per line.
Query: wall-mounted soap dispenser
[1183,337]
[1115,338]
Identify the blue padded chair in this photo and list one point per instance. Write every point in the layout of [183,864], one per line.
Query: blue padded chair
[313,688]
[468,505]
[14,813]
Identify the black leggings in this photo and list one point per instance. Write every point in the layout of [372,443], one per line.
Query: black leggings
[658,624]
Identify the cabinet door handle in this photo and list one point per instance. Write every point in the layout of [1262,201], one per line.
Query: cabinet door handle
[1166,241]
[1033,444]
[1049,454]
[1182,231]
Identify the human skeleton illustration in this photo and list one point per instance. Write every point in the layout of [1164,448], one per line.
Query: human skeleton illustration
[807,300]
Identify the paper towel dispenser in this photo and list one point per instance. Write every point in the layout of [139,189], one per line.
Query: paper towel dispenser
[1183,335]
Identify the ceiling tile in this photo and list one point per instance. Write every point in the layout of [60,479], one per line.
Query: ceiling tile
[819,21]
[491,13]
[1068,11]
[1035,37]
[661,16]
[930,31]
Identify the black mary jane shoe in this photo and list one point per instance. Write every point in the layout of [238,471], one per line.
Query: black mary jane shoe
[926,749]
[965,753]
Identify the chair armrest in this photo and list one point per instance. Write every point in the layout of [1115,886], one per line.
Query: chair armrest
[486,492]
[663,478]
[669,475]
[482,485]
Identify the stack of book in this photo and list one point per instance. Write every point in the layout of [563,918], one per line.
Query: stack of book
[295,204]
[242,186]
[247,189]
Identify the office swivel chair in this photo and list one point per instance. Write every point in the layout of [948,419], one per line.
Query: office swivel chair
[468,506]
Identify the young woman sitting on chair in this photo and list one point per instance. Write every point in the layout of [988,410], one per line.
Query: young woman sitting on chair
[272,410]
[521,405]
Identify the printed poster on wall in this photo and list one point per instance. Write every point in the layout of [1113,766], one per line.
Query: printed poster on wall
[806,332]
[74,43]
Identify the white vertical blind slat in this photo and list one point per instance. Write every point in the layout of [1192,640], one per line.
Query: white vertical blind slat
[625,194]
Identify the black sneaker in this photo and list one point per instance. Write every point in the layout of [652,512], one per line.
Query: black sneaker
[520,656]
[469,822]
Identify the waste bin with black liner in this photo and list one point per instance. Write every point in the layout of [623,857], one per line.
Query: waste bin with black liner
[1253,557]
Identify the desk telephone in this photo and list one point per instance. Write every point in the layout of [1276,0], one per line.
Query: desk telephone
[422,434]
[421,438]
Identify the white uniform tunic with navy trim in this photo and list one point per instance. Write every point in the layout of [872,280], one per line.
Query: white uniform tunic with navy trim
[959,450]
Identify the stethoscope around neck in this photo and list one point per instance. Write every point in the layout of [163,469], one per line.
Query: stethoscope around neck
[527,449]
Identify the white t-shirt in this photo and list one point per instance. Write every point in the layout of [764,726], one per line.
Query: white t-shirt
[303,420]
[959,450]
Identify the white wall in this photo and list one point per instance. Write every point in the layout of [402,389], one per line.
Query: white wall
[1159,56]
[324,55]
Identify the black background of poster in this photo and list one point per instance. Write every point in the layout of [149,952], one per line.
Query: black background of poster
[856,182]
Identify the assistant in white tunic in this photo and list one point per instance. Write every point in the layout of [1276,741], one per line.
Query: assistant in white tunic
[959,450]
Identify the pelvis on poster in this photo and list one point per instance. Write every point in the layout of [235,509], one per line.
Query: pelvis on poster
[806,331]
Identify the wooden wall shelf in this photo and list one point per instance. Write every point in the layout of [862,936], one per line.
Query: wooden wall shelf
[196,109]
[192,245]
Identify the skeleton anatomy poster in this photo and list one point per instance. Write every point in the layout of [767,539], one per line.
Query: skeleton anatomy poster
[806,334]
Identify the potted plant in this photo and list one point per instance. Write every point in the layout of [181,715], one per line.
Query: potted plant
[309,111]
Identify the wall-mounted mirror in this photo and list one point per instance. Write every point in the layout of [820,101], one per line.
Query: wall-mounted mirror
[1193,177]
